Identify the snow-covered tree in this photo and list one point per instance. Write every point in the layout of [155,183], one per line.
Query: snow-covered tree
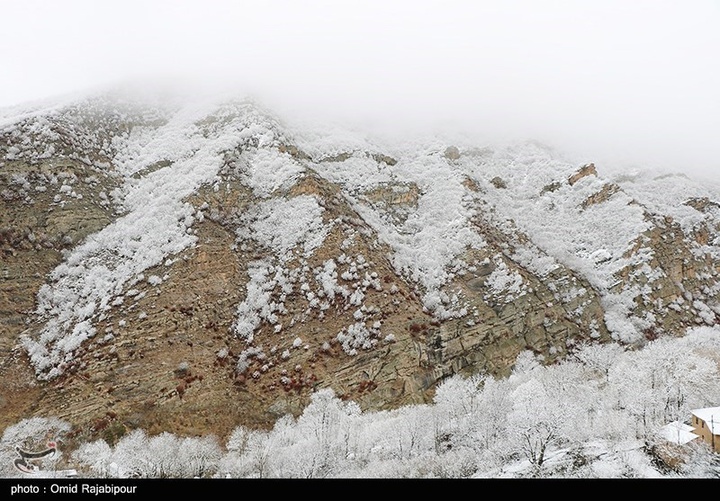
[199,456]
[322,439]
[130,455]
[599,357]
[97,458]
[537,420]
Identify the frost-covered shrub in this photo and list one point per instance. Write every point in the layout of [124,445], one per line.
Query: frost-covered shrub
[357,336]
[282,225]
[245,358]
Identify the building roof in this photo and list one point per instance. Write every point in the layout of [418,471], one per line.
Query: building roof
[711,416]
[677,433]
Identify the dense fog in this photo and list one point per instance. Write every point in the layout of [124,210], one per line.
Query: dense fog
[627,85]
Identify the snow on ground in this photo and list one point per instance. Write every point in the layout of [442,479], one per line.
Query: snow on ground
[435,232]
[522,187]
[157,223]
[281,225]
[290,229]
[668,194]
[554,218]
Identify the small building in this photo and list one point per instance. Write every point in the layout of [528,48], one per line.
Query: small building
[671,449]
[706,424]
[678,433]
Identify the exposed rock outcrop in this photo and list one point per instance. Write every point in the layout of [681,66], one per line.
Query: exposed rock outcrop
[284,267]
[585,171]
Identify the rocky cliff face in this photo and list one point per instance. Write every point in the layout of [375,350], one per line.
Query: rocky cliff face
[189,269]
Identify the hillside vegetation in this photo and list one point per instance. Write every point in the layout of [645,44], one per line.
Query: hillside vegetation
[174,269]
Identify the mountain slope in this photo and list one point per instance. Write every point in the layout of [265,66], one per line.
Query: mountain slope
[187,268]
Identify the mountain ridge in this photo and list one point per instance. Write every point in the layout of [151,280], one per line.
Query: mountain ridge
[189,268]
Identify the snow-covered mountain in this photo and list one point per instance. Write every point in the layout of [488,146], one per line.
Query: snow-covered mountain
[189,267]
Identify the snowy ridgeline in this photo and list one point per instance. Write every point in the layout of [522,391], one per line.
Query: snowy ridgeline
[595,416]
[164,155]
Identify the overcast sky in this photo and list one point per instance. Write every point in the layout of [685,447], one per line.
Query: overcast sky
[621,80]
